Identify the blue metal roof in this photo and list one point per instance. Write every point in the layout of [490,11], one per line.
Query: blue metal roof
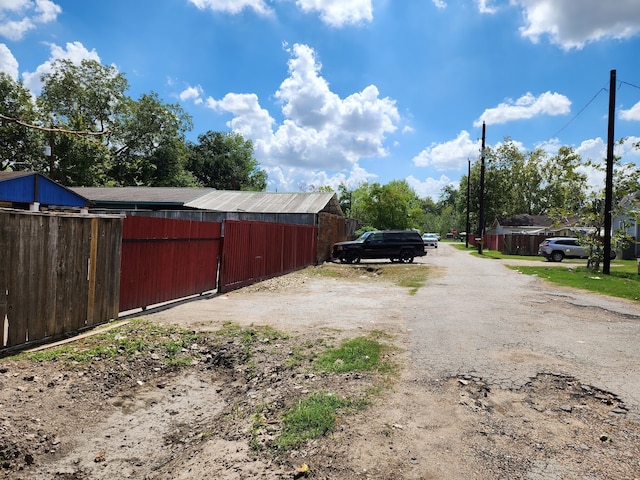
[30,187]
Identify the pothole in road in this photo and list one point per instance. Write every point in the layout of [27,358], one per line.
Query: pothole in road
[551,421]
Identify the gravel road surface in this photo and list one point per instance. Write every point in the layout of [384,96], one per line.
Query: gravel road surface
[483,319]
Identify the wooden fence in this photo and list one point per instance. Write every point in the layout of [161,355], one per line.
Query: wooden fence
[59,274]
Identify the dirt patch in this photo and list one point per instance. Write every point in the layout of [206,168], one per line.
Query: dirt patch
[217,417]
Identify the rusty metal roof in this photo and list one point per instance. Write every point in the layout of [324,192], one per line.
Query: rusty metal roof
[176,196]
[268,202]
[213,200]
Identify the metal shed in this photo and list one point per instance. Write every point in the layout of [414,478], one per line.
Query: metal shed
[207,204]
[31,190]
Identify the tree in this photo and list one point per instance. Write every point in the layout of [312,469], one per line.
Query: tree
[563,187]
[225,161]
[84,101]
[21,146]
[386,207]
[148,144]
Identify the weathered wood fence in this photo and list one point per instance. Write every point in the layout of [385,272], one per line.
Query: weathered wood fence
[58,274]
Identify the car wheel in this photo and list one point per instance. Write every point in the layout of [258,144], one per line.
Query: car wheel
[343,260]
[406,256]
[557,256]
[613,255]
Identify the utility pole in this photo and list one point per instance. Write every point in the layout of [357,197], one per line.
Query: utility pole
[466,237]
[481,220]
[608,196]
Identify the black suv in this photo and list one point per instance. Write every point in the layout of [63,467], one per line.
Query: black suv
[396,245]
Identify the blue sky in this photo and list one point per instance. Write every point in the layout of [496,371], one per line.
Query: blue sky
[349,91]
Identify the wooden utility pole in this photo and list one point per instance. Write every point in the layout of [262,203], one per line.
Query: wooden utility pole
[481,220]
[466,237]
[608,195]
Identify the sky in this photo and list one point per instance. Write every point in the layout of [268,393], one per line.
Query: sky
[337,92]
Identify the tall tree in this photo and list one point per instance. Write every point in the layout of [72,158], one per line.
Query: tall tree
[225,161]
[564,187]
[391,206]
[21,147]
[85,99]
[149,146]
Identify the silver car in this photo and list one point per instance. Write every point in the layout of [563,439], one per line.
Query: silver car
[556,248]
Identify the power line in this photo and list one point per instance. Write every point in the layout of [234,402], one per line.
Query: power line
[580,112]
[630,84]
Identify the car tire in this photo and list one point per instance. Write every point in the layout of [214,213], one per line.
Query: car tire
[557,256]
[406,256]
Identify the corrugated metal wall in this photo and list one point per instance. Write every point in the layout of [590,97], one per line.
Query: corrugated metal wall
[165,259]
[59,273]
[255,251]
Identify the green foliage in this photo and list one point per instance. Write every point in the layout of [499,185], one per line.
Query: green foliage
[524,182]
[225,161]
[264,334]
[311,417]
[387,207]
[100,136]
[623,282]
[149,144]
[134,338]
[20,146]
[360,354]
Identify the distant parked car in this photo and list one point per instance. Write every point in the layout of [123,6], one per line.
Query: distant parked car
[430,240]
[396,245]
[557,248]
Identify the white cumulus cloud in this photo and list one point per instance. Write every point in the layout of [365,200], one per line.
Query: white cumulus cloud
[573,24]
[233,6]
[632,114]
[451,155]
[8,63]
[338,13]
[320,130]
[192,93]
[430,187]
[17,17]
[335,13]
[525,107]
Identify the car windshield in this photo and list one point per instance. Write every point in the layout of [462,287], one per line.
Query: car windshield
[363,237]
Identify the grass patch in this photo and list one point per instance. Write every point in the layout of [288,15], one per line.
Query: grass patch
[411,276]
[312,417]
[622,282]
[360,354]
[248,336]
[136,337]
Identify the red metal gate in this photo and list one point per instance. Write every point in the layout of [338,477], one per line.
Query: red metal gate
[165,259]
[255,251]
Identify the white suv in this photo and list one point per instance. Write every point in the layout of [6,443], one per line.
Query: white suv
[556,248]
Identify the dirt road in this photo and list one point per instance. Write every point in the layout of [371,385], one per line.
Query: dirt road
[506,376]
[502,377]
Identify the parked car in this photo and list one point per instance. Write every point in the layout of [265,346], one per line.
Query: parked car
[557,248]
[396,245]
[430,240]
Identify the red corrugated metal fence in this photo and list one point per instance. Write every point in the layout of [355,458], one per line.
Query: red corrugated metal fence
[165,259]
[255,251]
